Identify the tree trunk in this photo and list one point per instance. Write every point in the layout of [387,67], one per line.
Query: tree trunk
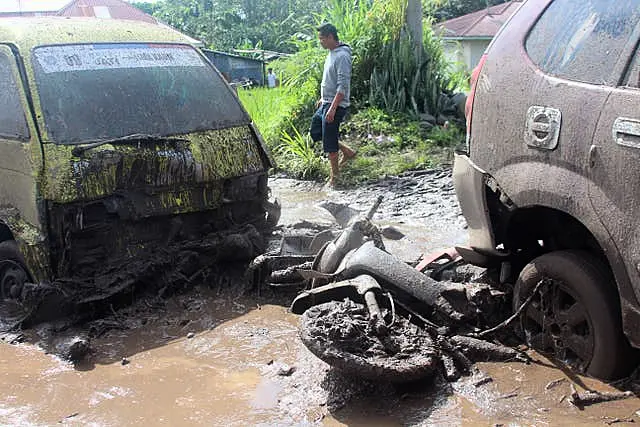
[414,24]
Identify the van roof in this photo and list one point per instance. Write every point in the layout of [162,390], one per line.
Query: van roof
[27,33]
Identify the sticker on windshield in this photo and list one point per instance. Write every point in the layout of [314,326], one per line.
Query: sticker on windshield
[56,59]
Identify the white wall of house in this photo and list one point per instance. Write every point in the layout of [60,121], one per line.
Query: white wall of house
[467,52]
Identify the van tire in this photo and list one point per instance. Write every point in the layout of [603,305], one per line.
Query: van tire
[9,251]
[577,313]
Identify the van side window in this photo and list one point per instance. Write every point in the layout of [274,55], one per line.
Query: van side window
[582,40]
[13,124]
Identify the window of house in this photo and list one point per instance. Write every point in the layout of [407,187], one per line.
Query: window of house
[583,40]
[13,124]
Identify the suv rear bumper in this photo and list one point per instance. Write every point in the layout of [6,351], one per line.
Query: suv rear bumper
[469,181]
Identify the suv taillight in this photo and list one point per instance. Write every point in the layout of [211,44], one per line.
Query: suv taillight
[468,108]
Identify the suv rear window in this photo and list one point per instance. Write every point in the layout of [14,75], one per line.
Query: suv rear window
[12,121]
[104,91]
[583,39]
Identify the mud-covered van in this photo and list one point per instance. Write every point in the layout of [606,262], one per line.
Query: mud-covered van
[116,138]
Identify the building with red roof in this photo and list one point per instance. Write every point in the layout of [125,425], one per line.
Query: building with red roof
[467,37]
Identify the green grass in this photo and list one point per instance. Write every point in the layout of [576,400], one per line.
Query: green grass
[268,108]
[299,156]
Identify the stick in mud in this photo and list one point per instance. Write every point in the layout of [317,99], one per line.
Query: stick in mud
[552,384]
[610,421]
[450,371]
[580,400]
[482,381]
[485,351]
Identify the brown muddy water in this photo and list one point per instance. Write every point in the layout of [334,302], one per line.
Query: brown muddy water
[211,358]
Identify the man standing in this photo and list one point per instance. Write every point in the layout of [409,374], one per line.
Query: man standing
[334,99]
[271,78]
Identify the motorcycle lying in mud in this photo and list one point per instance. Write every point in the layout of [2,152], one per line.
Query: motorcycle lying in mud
[371,315]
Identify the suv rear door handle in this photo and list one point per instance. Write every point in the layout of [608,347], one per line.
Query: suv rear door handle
[626,132]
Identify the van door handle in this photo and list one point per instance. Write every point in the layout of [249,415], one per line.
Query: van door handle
[626,132]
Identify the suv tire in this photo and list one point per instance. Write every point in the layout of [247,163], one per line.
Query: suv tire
[576,314]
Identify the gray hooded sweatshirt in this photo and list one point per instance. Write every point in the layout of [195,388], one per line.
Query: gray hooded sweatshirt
[337,75]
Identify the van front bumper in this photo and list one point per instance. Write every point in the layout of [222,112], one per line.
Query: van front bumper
[469,181]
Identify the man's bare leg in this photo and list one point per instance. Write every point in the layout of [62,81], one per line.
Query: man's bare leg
[335,168]
[348,153]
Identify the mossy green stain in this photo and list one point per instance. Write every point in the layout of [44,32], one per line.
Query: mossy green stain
[209,156]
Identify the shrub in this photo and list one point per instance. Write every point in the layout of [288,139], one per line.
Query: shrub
[299,157]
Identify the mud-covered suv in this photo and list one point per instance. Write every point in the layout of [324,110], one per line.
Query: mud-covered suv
[117,139]
[549,180]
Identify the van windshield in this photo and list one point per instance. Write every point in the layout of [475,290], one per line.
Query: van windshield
[93,92]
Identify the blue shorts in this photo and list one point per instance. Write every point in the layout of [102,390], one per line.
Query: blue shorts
[327,132]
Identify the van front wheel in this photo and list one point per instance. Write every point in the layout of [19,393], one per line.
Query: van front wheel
[575,314]
[13,276]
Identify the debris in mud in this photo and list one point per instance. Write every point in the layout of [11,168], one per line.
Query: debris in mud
[392,233]
[12,337]
[610,421]
[580,400]
[73,349]
[482,351]
[336,332]
[286,370]
[340,211]
[290,275]
[68,417]
[482,381]
[509,395]
[552,384]
[67,343]
[343,320]
[162,269]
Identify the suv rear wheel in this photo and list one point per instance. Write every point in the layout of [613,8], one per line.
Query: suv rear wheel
[575,314]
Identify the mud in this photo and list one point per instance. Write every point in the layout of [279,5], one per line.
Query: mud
[162,270]
[228,372]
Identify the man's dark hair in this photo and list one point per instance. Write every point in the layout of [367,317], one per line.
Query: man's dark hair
[326,29]
[269,69]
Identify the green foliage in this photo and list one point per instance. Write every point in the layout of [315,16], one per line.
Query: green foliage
[459,77]
[446,137]
[367,26]
[389,144]
[405,81]
[228,24]
[369,121]
[299,157]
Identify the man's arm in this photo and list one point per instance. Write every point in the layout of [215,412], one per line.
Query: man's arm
[331,112]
